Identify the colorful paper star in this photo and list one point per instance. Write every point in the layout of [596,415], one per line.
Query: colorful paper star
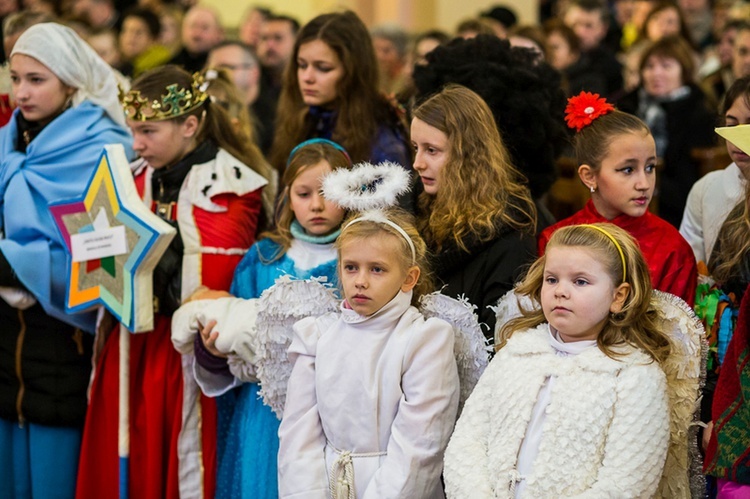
[114,242]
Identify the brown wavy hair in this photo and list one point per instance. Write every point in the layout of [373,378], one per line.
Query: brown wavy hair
[636,324]
[369,228]
[733,243]
[480,191]
[360,106]
[305,157]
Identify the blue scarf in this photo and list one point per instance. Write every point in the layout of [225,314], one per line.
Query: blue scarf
[57,166]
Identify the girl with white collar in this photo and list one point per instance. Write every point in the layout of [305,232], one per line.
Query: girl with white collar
[373,394]
[575,402]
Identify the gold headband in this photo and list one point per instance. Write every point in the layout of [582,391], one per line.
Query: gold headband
[174,103]
[614,241]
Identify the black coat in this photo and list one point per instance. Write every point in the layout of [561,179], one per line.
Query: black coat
[45,364]
[690,124]
[486,272]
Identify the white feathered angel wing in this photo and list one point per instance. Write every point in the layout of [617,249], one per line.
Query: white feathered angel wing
[279,307]
[470,347]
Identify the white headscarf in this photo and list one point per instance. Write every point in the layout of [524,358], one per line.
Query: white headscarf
[75,63]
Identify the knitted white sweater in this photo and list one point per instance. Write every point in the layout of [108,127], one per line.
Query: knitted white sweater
[605,434]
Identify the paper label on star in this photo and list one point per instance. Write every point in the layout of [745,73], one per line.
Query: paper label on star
[114,242]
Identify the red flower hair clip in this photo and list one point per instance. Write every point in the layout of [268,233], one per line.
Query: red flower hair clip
[584,108]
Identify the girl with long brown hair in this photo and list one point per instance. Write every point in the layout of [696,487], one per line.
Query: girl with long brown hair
[331,91]
[475,214]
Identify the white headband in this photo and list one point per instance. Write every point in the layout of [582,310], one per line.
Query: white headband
[378,216]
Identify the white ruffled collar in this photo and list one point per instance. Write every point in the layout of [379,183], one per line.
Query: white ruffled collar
[570,348]
[383,318]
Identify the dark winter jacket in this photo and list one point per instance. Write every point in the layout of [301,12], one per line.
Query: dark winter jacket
[486,272]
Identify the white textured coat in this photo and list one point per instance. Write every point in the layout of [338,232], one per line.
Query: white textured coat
[383,388]
[605,433]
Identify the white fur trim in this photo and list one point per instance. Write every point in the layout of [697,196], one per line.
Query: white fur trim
[279,307]
[366,186]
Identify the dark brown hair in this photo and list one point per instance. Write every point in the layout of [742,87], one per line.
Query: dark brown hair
[215,124]
[593,141]
[359,105]
[672,47]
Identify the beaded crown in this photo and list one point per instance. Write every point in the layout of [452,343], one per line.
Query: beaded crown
[176,102]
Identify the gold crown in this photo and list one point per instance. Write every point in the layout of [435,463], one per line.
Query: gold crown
[176,102]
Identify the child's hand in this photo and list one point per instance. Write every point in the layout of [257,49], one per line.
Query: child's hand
[208,337]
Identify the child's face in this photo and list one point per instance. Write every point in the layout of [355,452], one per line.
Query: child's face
[738,114]
[38,92]
[578,293]
[163,143]
[319,71]
[625,182]
[316,215]
[372,274]
[430,154]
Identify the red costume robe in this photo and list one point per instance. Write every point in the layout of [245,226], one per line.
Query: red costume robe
[172,424]
[669,257]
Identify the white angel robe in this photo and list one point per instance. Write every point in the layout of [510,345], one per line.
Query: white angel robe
[371,403]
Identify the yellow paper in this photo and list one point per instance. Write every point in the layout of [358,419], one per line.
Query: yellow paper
[738,135]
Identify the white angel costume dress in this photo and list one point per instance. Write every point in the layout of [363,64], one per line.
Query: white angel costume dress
[371,403]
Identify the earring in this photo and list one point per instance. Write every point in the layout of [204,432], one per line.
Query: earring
[592,189]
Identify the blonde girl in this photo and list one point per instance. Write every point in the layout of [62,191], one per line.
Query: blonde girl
[373,393]
[301,245]
[575,401]
[475,214]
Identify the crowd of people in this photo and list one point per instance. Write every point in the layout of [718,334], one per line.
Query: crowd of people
[570,167]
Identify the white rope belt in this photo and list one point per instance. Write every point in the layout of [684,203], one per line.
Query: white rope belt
[515,478]
[341,478]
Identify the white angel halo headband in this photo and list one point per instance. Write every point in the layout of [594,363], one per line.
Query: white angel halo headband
[378,216]
[370,189]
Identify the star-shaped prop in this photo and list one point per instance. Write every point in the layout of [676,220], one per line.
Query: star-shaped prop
[114,242]
[738,135]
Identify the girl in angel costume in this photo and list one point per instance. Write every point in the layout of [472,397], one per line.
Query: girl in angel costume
[598,328]
[301,245]
[373,393]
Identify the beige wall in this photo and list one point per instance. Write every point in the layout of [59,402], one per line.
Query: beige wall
[414,15]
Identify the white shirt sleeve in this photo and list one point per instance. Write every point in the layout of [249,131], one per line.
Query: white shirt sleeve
[301,461]
[691,226]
